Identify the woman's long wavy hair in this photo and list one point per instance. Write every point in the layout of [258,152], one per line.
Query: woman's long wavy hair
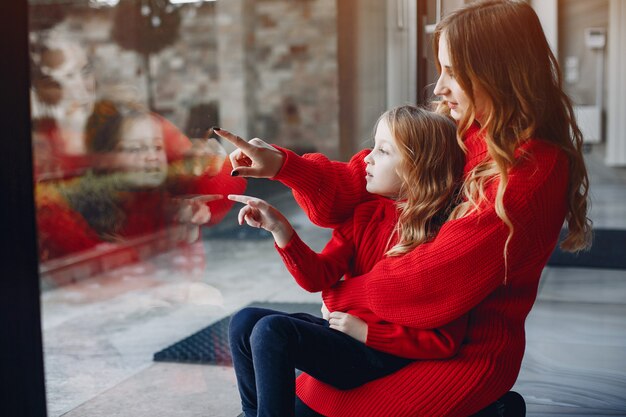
[498,46]
[430,170]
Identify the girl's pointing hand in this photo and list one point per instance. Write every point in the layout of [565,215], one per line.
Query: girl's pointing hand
[259,213]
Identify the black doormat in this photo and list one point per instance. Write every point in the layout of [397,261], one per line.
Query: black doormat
[607,252]
[210,345]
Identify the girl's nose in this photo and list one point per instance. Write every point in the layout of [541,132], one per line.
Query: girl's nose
[151,154]
[368,159]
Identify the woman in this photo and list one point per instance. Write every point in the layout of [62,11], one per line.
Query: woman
[524,176]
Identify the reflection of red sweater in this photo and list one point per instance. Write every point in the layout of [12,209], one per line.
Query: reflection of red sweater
[356,246]
[63,230]
[462,270]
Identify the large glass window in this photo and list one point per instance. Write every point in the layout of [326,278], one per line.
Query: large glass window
[124,93]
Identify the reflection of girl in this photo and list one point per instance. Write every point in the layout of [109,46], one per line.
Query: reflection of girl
[414,169]
[127,193]
[524,176]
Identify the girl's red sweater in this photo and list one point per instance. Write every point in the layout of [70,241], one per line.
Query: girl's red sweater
[461,271]
[355,247]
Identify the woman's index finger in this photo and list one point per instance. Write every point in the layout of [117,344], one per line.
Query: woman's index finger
[235,140]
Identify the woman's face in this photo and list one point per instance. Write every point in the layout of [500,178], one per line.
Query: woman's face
[140,155]
[65,91]
[381,172]
[451,92]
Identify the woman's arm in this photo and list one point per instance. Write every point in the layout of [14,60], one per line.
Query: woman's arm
[328,191]
[408,342]
[436,282]
[443,279]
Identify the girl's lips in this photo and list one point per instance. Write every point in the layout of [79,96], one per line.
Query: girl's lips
[452,105]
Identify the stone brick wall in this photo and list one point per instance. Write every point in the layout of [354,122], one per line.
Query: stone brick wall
[297,74]
[289,74]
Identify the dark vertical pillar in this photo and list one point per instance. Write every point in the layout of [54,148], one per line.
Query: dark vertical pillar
[21,360]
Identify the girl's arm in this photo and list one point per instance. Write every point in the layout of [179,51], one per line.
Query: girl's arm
[318,271]
[313,271]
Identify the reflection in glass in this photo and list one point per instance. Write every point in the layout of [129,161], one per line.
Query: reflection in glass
[123,165]
[129,191]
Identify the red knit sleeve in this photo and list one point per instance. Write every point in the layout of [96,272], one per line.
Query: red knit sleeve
[216,180]
[412,343]
[61,231]
[328,191]
[442,280]
[222,183]
[317,271]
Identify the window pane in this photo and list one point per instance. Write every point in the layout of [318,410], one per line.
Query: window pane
[124,94]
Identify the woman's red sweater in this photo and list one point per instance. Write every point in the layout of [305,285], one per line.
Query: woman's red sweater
[461,271]
[355,247]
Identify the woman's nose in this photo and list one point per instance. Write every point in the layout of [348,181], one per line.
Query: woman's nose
[440,87]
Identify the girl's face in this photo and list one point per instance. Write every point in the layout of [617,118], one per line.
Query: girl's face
[451,92]
[140,156]
[383,164]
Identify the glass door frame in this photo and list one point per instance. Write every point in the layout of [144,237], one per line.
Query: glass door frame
[21,360]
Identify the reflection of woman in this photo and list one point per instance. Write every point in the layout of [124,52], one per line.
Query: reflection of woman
[524,175]
[62,98]
[128,192]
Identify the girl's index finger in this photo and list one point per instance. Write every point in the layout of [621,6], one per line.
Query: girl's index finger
[240,198]
[234,139]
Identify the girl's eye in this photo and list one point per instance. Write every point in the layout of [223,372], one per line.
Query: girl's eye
[383,151]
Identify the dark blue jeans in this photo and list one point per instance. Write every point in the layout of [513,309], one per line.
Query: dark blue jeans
[268,346]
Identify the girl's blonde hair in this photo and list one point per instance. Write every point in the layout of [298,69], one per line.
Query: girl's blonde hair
[498,46]
[430,169]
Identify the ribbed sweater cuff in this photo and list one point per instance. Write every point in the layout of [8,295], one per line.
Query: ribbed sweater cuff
[378,337]
[297,257]
[292,253]
[348,294]
[297,172]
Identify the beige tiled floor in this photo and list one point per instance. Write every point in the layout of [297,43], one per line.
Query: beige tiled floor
[100,334]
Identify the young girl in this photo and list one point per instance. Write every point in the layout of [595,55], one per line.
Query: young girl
[524,176]
[414,170]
